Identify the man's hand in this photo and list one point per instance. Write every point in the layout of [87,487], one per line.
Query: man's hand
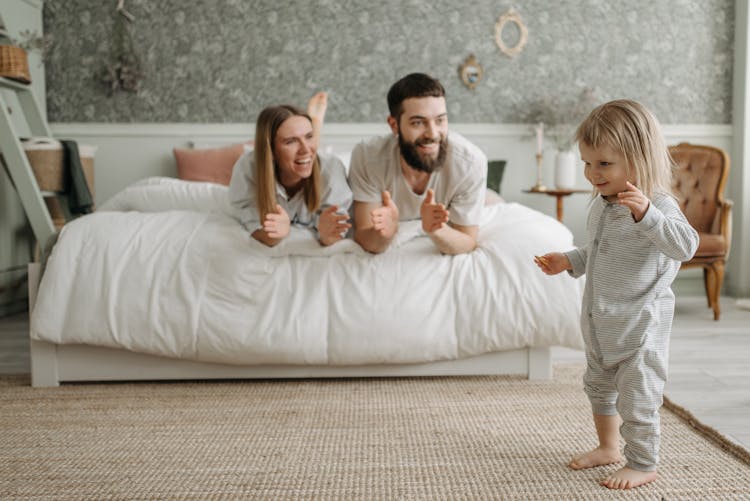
[385,218]
[635,200]
[553,263]
[276,224]
[434,216]
[331,225]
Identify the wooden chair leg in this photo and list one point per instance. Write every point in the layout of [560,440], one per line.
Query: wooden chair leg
[707,280]
[718,271]
[709,277]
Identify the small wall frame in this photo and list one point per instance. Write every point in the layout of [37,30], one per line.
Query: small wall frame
[512,16]
[471,72]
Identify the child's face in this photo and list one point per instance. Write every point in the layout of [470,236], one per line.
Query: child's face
[606,169]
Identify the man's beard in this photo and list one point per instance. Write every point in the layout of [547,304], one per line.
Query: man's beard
[425,164]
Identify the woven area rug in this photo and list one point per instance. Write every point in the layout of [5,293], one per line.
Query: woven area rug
[411,438]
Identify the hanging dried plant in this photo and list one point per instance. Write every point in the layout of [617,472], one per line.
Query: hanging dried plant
[123,71]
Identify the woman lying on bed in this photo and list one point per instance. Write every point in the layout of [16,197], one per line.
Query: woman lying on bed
[283,181]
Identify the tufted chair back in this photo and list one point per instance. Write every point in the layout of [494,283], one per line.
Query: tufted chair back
[698,182]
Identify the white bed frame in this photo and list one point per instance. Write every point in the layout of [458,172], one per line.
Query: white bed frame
[52,364]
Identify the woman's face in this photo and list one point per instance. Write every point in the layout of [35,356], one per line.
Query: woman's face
[294,151]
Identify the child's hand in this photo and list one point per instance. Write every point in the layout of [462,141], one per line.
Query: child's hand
[635,200]
[553,263]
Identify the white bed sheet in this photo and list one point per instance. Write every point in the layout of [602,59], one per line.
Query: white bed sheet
[164,269]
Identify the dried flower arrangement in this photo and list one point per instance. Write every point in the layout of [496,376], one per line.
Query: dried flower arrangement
[31,41]
[561,117]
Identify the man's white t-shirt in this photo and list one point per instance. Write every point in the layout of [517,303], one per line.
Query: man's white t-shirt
[242,189]
[460,184]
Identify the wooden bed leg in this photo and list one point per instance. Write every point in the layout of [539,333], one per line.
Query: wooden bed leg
[540,363]
[43,355]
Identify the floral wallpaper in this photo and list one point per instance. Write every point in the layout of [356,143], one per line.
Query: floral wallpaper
[215,61]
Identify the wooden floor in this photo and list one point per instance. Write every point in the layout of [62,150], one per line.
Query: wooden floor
[709,362]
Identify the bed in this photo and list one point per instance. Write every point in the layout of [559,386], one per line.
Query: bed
[163,283]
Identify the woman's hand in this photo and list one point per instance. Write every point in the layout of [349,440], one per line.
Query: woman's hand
[332,226]
[635,200]
[553,263]
[276,225]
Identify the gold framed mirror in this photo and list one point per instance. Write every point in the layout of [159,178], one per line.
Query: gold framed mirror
[471,72]
[523,34]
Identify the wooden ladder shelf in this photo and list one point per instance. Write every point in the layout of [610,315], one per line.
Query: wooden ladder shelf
[17,163]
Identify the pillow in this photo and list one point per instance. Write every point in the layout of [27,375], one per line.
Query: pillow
[213,165]
[495,170]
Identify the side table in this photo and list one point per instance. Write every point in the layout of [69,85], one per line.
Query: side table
[559,194]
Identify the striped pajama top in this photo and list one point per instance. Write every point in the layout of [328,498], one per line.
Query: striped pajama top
[628,302]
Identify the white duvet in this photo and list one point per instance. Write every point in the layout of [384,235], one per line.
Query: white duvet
[164,269]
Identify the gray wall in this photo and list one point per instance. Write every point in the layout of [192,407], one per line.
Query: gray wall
[211,61]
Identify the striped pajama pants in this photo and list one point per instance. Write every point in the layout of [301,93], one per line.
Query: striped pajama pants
[632,388]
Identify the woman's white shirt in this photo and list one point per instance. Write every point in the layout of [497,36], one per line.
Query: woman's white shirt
[242,193]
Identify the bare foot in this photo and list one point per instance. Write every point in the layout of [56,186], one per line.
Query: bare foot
[597,457]
[316,107]
[626,478]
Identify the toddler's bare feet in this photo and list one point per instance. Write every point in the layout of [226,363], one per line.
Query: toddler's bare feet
[627,478]
[597,457]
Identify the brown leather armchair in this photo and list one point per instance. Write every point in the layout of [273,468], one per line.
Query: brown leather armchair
[698,183]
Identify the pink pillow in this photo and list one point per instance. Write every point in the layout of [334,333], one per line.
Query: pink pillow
[213,165]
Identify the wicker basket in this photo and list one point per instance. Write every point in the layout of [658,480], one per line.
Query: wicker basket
[14,64]
[46,158]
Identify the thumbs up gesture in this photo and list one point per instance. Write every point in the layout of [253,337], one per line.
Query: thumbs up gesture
[385,217]
[434,215]
[331,225]
[276,224]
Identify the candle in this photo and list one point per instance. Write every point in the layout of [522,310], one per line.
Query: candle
[539,135]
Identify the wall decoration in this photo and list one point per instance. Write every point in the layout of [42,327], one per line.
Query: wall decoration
[225,63]
[123,71]
[523,34]
[471,72]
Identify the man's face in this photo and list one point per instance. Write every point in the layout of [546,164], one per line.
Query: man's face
[422,132]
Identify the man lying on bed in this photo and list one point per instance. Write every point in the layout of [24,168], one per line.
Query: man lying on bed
[284,181]
[421,171]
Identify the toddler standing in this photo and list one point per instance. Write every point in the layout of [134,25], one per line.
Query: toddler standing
[637,237]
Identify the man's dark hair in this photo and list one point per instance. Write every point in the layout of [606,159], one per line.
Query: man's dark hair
[412,85]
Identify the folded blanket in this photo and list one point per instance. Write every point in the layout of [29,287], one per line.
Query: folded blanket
[79,195]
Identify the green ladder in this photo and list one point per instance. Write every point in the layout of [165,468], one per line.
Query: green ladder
[17,162]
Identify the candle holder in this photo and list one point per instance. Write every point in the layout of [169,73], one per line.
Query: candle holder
[538,186]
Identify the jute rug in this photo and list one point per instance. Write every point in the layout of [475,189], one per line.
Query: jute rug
[415,438]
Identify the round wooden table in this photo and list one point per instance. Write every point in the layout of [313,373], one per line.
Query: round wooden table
[559,194]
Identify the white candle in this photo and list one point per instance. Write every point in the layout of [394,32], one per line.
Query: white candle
[539,135]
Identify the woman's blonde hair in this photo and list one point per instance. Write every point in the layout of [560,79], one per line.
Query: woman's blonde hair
[630,128]
[266,170]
